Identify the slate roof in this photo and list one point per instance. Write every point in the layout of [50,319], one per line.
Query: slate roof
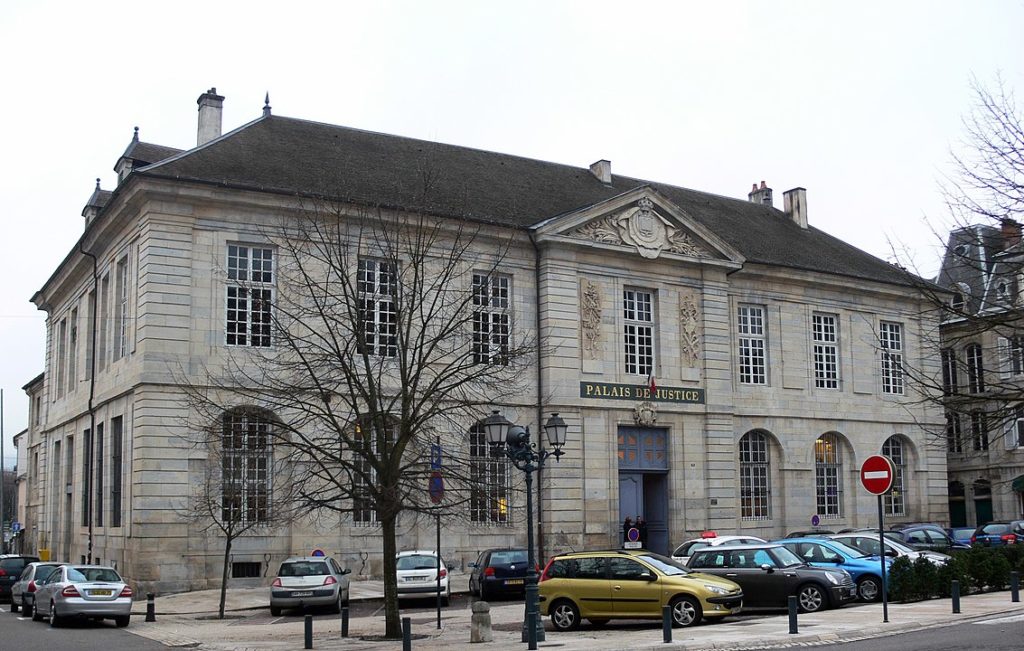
[287,155]
[146,153]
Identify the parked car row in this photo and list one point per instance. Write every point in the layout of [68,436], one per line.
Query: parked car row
[62,591]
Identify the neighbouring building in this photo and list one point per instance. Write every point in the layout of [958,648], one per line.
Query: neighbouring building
[982,357]
[778,352]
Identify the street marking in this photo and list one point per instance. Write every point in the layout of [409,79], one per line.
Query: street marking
[1003,620]
[876,474]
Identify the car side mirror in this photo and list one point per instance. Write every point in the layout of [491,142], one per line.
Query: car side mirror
[647,576]
[473,565]
[346,571]
[891,553]
[767,568]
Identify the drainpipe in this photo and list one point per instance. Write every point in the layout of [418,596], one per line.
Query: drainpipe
[92,393]
[540,406]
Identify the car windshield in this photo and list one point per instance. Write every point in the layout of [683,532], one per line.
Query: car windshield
[304,568]
[846,550]
[664,564]
[93,574]
[996,528]
[787,558]
[417,562]
[507,557]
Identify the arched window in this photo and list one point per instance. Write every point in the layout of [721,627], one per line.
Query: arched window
[828,473]
[896,500]
[957,302]
[490,488]
[245,465]
[755,474]
[975,369]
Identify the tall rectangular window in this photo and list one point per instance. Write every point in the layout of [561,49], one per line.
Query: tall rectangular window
[979,431]
[895,500]
[828,474]
[890,336]
[490,481]
[364,481]
[73,350]
[826,351]
[90,344]
[121,309]
[954,433]
[755,471]
[98,505]
[116,471]
[751,328]
[245,467]
[86,475]
[975,369]
[250,296]
[104,307]
[378,290]
[491,300]
[62,353]
[949,372]
[1017,355]
[638,313]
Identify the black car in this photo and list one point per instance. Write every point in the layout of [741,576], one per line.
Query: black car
[11,567]
[499,572]
[923,536]
[770,573]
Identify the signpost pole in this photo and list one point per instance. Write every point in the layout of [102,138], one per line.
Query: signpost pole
[436,462]
[881,561]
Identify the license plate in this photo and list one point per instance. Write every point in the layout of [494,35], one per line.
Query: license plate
[302,594]
[101,593]
[416,578]
[514,582]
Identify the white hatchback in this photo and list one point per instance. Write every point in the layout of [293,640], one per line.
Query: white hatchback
[418,576]
[683,552]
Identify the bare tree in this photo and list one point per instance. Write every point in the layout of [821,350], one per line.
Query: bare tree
[979,291]
[242,486]
[392,333]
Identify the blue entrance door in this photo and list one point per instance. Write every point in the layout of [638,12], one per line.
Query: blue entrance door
[643,482]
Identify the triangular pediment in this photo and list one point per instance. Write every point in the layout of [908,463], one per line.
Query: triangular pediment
[644,221]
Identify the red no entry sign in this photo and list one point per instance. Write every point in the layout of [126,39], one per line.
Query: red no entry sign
[877,474]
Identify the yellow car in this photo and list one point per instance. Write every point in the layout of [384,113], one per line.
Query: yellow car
[631,584]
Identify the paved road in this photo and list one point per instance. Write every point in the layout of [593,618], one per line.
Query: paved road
[17,632]
[991,634]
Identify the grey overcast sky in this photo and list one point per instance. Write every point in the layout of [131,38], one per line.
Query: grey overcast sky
[860,103]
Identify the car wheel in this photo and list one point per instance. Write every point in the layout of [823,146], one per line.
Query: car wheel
[685,612]
[122,621]
[810,598]
[597,623]
[336,606]
[485,594]
[869,588]
[54,619]
[565,616]
[36,617]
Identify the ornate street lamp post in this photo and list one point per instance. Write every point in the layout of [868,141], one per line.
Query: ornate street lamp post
[525,456]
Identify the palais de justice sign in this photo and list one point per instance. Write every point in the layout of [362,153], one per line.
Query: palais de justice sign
[610,391]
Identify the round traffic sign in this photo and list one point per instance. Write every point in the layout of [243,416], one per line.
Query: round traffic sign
[815,520]
[633,534]
[877,474]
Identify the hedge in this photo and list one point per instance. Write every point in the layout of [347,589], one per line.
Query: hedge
[977,569]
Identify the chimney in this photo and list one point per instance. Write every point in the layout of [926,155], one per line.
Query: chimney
[602,170]
[211,106]
[795,205]
[1010,231]
[762,195]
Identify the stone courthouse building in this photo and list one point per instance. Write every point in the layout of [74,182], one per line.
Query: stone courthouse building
[722,364]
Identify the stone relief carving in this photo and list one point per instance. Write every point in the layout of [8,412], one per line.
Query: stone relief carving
[645,414]
[689,329]
[641,226]
[590,316]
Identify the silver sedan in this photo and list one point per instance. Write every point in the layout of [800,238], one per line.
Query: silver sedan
[89,591]
[23,592]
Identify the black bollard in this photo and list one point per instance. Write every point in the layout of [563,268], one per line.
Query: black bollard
[666,623]
[955,591]
[150,607]
[308,632]
[1014,586]
[406,634]
[792,615]
[344,622]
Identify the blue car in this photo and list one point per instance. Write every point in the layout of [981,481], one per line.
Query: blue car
[997,534]
[823,552]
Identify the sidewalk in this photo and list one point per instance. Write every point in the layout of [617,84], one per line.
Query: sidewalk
[188,620]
